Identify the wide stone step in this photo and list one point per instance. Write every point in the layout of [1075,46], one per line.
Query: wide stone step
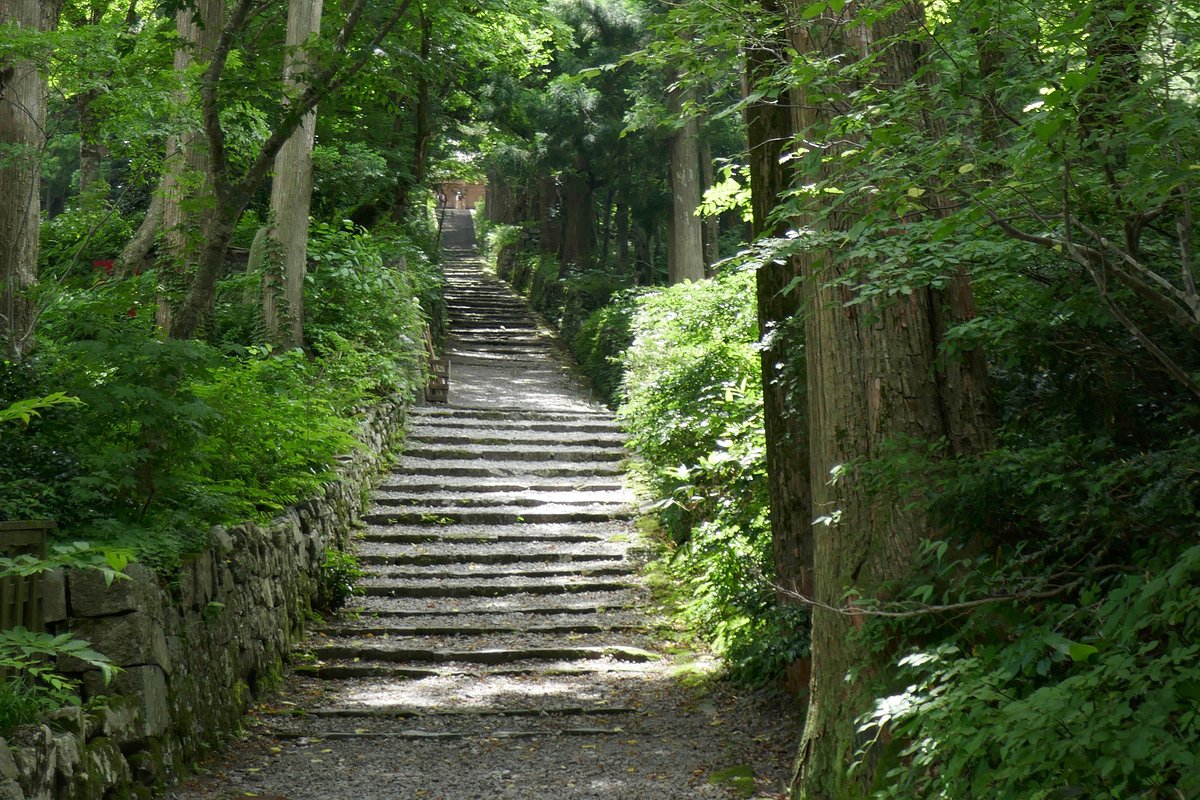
[373,553]
[485,572]
[400,482]
[524,437]
[501,469]
[401,652]
[466,501]
[478,625]
[500,515]
[548,452]
[340,670]
[529,415]
[517,426]
[464,587]
[512,608]
[554,532]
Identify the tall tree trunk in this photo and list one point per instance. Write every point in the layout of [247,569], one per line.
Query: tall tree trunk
[621,259]
[91,152]
[291,194]
[874,377]
[423,131]
[769,134]
[712,222]
[685,249]
[578,232]
[549,230]
[186,185]
[23,137]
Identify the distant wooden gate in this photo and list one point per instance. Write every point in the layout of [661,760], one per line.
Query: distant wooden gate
[21,595]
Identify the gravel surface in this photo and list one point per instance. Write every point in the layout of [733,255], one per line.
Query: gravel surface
[505,646]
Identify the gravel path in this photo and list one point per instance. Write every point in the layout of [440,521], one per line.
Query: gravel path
[505,646]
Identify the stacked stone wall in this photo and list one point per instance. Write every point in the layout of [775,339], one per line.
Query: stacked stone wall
[194,651]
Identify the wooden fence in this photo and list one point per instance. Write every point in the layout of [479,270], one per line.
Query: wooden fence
[21,595]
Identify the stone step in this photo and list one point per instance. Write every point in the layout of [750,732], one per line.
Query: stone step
[499,515]
[340,670]
[498,437]
[556,532]
[423,735]
[467,424]
[400,651]
[400,482]
[465,626]
[493,571]
[509,469]
[511,608]
[377,554]
[463,587]
[470,500]
[531,415]
[547,452]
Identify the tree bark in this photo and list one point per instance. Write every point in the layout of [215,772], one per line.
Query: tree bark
[621,258]
[187,182]
[874,379]
[291,195]
[91,152]
[578,226]
[769,134]
[712,222]
[685,251]
[23,99]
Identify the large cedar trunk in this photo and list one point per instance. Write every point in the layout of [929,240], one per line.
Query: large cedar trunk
[186,186]
[579,230]
[291,195]
[769,131]
[874,377]
[22,136]
[685,253]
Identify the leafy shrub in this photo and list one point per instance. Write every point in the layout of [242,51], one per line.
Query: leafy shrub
[89,231]
[602,339]
[340,573]
[346,176]
[1092,697]
[693,408]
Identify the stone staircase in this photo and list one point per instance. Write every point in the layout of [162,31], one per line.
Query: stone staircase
[497,551]
[502,646]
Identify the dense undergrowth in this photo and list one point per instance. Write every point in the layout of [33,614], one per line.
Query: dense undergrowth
[1060,659]
[173,436]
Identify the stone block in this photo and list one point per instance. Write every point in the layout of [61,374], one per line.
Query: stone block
[90,597]
[34,758]
[8,767]
[146,686]
[9,790]
[68,755]
[127,639]
[54,596]
[122,721]
[103,768]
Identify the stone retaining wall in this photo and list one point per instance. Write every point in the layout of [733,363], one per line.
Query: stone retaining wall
[194,651]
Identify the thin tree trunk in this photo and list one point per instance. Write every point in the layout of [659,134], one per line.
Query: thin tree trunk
[769,133]
[23,98]
[138,248]
[548,229]
[291,195]
[712,222]
[874,378]
[621,265]
[423,131]
[685,249]
[186,185]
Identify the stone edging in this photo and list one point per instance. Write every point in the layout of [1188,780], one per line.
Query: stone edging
[194,651]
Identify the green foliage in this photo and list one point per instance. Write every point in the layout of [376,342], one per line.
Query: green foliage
[347,175]
[92,230]
[1095,695]
[602,339]
[340,573]
[693,408]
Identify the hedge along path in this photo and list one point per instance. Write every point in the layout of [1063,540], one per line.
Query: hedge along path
[503,646]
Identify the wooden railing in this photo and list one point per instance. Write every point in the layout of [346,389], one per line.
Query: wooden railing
[21,595]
